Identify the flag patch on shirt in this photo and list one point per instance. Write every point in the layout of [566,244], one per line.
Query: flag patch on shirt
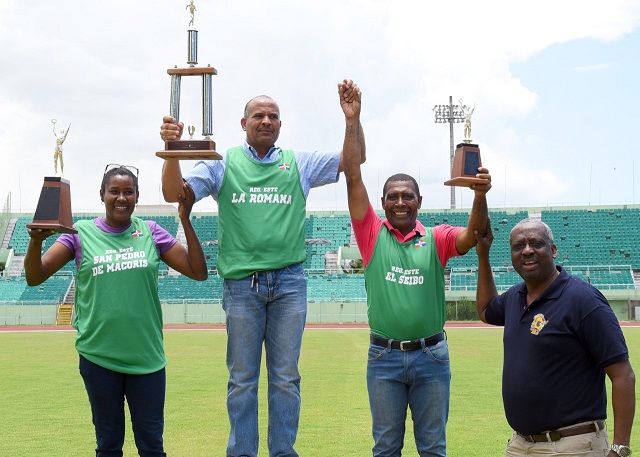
[284,166]
[420,243]
[137,233]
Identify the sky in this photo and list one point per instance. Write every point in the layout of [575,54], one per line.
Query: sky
[554,85]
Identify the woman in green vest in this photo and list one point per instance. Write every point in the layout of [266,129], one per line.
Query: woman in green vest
[117,310]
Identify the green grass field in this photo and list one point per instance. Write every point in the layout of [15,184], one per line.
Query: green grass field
[44,409]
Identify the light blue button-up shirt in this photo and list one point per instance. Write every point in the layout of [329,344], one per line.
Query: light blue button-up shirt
[315,168]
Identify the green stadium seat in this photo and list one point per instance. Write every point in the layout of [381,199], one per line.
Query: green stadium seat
[598,245]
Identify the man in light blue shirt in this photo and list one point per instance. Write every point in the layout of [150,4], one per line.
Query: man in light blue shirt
[261,192]
[316,169]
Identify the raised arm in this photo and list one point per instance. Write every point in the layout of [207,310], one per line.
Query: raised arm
[64,137]
[171,173]
[38,268]
[466,238]
[191,261]
[350,101]
[623,399]
[486,290]
[347,86]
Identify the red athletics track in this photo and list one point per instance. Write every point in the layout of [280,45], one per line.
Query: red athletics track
[351,325]
[313,326]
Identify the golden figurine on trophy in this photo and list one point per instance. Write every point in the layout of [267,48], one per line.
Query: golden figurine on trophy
[57,154]
[466,160]
[191,149]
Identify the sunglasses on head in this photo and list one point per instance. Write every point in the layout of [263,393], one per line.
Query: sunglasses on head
[114,166]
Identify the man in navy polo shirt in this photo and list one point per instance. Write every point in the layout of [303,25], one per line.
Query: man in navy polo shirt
[560,339]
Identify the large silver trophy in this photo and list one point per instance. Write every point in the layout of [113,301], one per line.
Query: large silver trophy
[192,149]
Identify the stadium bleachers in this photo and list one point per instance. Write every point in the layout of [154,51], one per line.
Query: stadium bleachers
[598,237]
[336,229]
[182,288]
[169,223]
[12,288]
[505,277]
[20,238]
[463,279]
[598,245]
[466,279]
[16,289]
[604,277]
[336,287]
[206,227]
[326,233]
[501,223]
[53,289]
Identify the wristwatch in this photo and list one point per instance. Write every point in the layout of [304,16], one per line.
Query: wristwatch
[622,451]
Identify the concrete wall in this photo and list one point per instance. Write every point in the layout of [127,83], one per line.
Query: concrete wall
[212,313]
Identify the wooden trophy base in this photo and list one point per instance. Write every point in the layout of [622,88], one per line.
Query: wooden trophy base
[466,162]
[463,181]
[54,207]
[189,150]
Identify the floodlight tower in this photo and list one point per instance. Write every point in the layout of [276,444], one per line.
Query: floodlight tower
[449,113]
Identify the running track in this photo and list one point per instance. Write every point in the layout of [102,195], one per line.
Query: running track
[351,325]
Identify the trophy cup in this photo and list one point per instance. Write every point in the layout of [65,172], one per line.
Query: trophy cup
[467,156]
[54,205]
[191,149]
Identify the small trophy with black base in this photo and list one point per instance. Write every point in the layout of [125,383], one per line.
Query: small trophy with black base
[54,205]
[466,162]
[191,149]
[466,159]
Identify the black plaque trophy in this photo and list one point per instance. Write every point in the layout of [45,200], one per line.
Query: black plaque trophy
[191,149]
[466,159]
[54,205]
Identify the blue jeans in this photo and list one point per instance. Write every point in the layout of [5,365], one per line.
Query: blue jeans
[271,309]
[145,395]
[418,379]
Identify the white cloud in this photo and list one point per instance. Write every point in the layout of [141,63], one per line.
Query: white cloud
[102,66]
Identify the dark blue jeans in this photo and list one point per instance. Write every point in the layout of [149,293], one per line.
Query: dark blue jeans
[269,311]
[419,380]
[145,395]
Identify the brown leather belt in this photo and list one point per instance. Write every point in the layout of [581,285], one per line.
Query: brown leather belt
[555,435]
[411,345]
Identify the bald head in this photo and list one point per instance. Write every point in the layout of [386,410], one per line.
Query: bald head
[259,98]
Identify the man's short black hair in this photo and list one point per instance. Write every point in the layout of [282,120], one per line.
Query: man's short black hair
[401,177]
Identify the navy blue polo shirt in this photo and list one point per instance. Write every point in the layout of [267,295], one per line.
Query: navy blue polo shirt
[555,352]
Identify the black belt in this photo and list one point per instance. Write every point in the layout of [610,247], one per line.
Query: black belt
[407,345]
[555,435]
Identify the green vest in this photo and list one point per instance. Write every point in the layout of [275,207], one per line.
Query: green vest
[262,215]
[405,287]
[117,308]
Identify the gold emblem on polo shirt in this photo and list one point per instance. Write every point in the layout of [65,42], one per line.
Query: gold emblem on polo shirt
[538,322]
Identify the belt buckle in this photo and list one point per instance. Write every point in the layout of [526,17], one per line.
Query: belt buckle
[555,435]
[402,343]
